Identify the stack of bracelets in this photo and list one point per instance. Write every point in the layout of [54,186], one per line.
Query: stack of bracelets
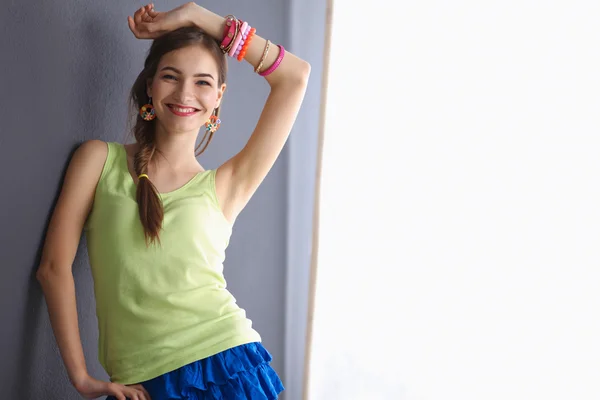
[236,39]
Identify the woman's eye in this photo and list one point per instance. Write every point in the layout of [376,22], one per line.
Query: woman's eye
[171,77]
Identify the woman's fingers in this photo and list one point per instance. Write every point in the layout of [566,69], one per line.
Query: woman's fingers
[142,24]
[131,24]
[143,389]
[130,394]
[146,13]
[144,395]
[145,17]
[137,17]
[152,13]
[137,394]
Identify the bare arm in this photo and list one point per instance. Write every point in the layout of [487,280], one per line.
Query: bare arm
[64,232]
[239,177]
[55,271]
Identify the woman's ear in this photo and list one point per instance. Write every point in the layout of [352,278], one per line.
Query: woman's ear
[220,95]
[149,87]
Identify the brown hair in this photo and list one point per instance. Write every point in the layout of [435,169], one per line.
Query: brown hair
[147,196]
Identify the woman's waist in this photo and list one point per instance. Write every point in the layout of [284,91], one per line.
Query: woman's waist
[196,304]
[120,329]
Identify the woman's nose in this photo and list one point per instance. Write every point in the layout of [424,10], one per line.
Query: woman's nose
[185,92]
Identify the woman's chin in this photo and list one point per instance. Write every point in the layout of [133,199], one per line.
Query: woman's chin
[179,126]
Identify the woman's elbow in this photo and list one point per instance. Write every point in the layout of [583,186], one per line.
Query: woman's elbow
[296,74]
[303,72]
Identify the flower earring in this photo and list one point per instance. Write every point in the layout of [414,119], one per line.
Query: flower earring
[147,111]
[213,123]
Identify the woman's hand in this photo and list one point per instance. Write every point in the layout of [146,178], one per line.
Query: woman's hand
[146,23]
[91,388]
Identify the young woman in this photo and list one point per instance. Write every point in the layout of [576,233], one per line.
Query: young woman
[157,224]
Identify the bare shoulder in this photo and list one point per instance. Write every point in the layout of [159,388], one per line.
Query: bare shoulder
[87,164]
[73,206]
[94,151]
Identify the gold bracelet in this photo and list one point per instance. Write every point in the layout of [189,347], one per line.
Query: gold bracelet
[264,56]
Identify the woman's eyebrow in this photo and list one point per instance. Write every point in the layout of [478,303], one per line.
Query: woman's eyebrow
[200,74]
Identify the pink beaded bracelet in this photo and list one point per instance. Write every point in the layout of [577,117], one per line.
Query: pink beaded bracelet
[244,32]
[276,63]
[238,38]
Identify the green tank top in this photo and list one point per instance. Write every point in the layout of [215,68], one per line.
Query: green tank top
[162,307]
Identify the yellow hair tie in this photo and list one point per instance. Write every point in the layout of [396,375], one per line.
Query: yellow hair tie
[143,176]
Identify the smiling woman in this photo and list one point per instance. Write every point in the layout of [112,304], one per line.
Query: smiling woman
[157,223]
[182,103]
[171,80]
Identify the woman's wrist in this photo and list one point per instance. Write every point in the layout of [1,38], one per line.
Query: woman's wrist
[79,378]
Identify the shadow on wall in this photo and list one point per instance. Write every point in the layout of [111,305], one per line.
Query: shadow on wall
[77,80]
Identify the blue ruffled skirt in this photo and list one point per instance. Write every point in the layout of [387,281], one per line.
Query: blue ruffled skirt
[239,373]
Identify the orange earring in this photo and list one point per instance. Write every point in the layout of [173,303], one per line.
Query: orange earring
[147,111]
[213,124]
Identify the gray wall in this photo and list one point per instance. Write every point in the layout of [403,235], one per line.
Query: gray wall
[66,69]
[307,33]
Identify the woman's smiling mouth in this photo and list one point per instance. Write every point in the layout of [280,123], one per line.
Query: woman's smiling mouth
[182,111]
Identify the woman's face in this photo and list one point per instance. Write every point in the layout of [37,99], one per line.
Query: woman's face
[185,89]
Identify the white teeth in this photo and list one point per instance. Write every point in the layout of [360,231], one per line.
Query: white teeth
[183,110]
